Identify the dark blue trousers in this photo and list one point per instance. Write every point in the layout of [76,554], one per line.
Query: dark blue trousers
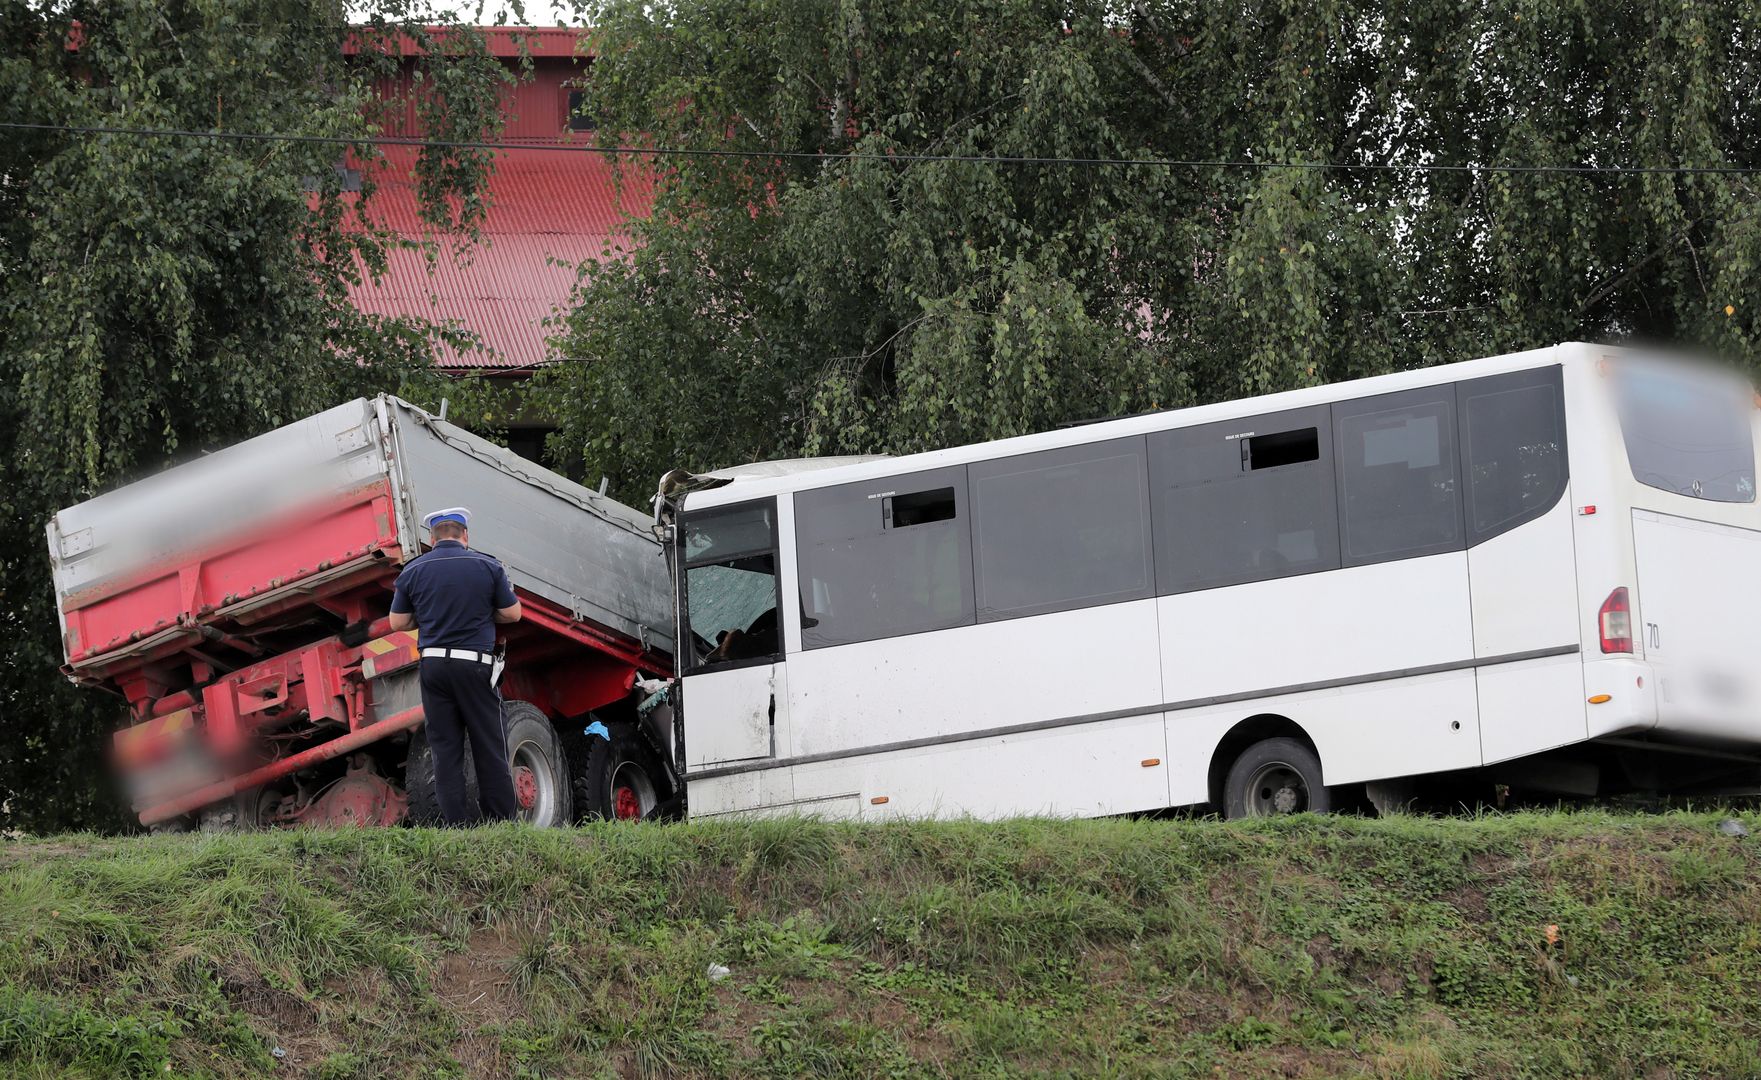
[461,704]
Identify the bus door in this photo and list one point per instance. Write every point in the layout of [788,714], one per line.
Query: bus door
[731,651]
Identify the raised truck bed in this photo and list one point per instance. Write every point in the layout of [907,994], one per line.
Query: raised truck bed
[237,604]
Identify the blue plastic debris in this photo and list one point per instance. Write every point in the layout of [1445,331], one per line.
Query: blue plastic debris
[597,728]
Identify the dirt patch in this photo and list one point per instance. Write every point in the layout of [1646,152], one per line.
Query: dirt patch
[475,985]
[1321,951]
[480,1055]
[285,1020]
[1290,1061]
[278,1012]
[1470,898]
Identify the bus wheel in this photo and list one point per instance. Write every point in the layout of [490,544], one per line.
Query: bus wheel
[616,778]
[1274,778]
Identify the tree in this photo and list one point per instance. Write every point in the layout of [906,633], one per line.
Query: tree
[778,305]
[162,296]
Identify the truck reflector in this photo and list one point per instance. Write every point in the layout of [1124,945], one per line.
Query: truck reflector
[1615,622]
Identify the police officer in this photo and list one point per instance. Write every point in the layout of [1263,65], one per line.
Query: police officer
[455,596]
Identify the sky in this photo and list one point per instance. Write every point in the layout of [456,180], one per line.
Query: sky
[492,12]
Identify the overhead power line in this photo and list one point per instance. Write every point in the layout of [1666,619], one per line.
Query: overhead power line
[890,159]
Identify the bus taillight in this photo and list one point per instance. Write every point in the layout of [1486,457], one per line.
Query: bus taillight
[1616,623]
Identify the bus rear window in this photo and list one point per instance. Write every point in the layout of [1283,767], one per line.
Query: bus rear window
[1688,435]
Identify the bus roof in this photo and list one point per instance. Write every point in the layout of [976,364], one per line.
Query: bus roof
[742,485]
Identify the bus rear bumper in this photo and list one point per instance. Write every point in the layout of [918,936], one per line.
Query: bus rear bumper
[1621,697]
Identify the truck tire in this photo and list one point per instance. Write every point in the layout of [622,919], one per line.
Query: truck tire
[245,811]
[533,747]
[1273,778]
[617,778]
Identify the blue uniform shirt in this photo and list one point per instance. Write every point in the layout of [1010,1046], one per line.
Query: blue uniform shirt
[454,593]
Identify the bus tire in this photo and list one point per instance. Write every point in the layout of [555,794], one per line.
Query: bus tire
[1273,778]
[616,778]
[532,744]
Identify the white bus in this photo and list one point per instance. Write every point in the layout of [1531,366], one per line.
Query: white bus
[1545,567]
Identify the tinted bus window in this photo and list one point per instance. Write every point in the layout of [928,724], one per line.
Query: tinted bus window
[1687,434]
[1060,529]
[886,557]
[1397,475]
[1513,447]
[1243,500]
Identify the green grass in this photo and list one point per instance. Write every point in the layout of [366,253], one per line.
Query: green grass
[1308,947]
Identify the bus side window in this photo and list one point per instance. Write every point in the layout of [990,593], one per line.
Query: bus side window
[1513,448]
[1061,529]
[1398,495]
[1243,500]
[884,558]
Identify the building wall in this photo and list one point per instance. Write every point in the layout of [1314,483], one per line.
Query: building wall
[534,108]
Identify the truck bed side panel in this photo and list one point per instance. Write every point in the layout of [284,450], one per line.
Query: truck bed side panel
[591,556]
[266,515]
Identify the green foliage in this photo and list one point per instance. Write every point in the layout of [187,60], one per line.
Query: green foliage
[777,306]
[160,297]
[1312,947]
[40,1031]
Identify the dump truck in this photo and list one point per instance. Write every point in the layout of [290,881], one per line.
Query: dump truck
[237,603]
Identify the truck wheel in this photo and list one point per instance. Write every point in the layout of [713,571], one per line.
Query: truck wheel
[535,756]
[245,811]
[1273,778]
[616,779]
[541,770]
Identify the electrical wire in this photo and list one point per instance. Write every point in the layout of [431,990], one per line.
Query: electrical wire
[892,159]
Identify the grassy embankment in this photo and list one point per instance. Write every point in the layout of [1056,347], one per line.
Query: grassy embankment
[1403,948]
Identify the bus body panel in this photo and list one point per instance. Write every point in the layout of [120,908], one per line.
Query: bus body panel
[1059,667]
[1369,731]
[1267,635]
[752,792]
[1700,644]
[1397,727]
[1525,588]
[1055,771]
[1525,600]
[1601,484]
[1530,706]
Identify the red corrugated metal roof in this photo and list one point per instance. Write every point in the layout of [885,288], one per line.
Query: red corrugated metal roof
[550,211]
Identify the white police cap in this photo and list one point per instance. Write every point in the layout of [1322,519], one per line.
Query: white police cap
[459,514]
